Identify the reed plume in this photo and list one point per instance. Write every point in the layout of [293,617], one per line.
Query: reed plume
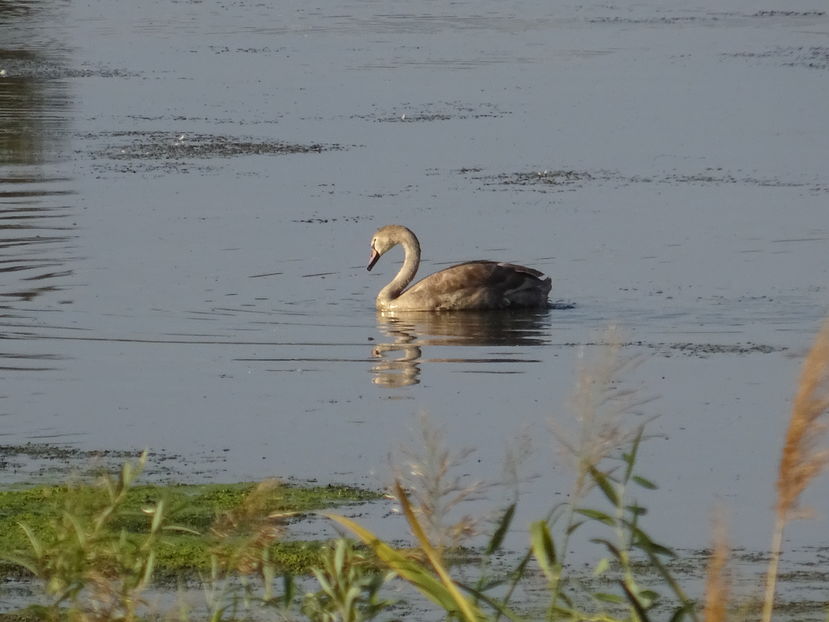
[602,407]
[717,581]
[244,533]
[803,458]
[430,478]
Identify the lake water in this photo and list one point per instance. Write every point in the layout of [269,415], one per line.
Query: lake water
[188,191]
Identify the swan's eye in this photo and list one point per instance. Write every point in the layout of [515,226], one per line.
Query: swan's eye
[373,242]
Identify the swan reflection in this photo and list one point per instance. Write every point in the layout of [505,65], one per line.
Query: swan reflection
[396,371]
[408,332]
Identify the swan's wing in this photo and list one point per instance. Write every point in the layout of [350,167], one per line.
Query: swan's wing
[495,277]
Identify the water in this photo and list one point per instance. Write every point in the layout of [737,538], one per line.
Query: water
[189,191]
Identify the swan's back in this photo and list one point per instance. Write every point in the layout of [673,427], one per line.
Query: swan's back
[477,285]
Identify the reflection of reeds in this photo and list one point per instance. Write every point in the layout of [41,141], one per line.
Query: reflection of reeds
[802,458]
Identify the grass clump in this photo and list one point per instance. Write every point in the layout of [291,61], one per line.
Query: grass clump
[97,548]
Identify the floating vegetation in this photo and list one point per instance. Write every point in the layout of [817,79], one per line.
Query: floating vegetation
[566,179]
[165,152]
[434,111]
[809,57]
[166,146]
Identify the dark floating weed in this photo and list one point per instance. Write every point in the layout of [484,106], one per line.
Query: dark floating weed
[434,111]
[30,65]
[167,146]
[542,181]
[566,179]
[165,152]
[809,57]
[786,13]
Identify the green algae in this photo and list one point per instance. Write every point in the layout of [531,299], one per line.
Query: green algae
[195,510]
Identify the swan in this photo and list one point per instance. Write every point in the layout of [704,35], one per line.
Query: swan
[475,285]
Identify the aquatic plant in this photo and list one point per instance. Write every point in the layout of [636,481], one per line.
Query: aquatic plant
[429,472]
[603,443]
[802,458]
[717,579]
[94,549]
[604,453]
[350,585]
[89,566]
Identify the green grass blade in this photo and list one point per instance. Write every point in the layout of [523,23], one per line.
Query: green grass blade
[636,510]
[468,609]
[643,541]
[25,562]
[158,517]
[148,568]
[288,589]
[605,485]
[498,606]
[630,458]
[517,575]
[37,547]
[670,580]
[597,515]
[683,611]
[644,483]
[606,597]
[501,531]
[182,529]
[409,570]
[544,549]
[614,550]
[77,529]
[641,612]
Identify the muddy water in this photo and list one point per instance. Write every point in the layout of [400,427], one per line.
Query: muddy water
[189,189]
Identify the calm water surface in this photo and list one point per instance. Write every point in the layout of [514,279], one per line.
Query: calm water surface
[188,190]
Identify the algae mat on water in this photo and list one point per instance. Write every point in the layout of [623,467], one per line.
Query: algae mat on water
[206,519]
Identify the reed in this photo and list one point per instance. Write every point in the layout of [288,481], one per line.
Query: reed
[603,448]
[803,457]
[90,570]
[717,580]
[600,408]
[429,472]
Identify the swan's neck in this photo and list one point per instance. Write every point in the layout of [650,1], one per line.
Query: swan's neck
[411,262]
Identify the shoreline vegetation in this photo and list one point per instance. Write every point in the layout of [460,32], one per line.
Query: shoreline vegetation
[95,550]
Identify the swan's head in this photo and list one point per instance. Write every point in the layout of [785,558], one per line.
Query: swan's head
[385,238]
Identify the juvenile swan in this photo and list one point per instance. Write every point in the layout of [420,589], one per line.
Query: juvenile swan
[476,285]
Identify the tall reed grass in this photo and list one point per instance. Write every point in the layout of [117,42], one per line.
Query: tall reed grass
[718,581]
[804,455]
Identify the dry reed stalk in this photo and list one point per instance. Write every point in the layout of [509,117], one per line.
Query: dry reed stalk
[258,528]
[802,458]
[717,581]
[434,489]
[601,406]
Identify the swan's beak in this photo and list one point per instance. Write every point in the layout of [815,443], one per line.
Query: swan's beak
[373,259]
